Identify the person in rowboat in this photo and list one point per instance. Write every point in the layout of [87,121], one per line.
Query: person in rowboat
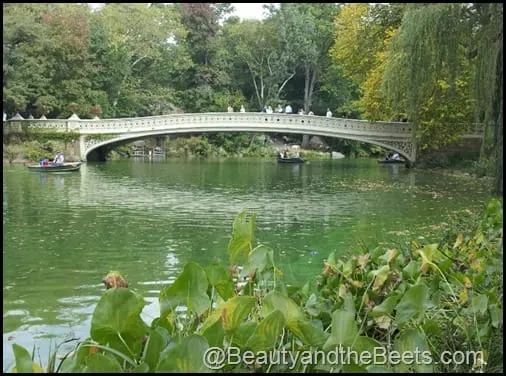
[59,159]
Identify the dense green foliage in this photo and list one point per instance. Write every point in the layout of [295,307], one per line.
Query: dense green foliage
[444,69]
[438,66]
[34,144]
[429,298]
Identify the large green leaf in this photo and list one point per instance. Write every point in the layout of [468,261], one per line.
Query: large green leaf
[412,270]
[294,317]
[479,304]
[116,321]
[190,289]
[386,307]
[496,315]
[234,311]
[157,341]
[23,359]
[344,330]
[185,356]
[380,276]
[214,333]
[314,305]
[428,253]
[141,368]
[267,332]
[243,333]
[366,344]
[102,363]
[242,237]
[413,304]
[260,258]
[77,362]
[308,333]
[275,301]
[415,355]
[219,277]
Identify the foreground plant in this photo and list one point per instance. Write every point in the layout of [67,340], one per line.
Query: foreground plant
[427,299]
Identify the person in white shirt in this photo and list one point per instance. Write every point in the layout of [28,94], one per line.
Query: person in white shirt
[59,159]
[329,113]
[395,156]
[279,109]
[288,109]
[269,109]
[242,108]
[230,109]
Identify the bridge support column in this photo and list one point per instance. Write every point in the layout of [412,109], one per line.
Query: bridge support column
[82,148]
[305,141]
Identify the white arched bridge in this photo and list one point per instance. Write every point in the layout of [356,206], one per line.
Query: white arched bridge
[100,134]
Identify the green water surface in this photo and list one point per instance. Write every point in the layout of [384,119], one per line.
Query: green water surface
[147,218]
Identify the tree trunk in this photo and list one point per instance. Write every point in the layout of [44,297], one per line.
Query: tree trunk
[255,85]
[499,125]
[125,76]
[309,84]
[284,83]
[306,89]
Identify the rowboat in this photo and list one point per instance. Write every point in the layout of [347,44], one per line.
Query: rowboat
[291,160]
[391,161]
[65,167]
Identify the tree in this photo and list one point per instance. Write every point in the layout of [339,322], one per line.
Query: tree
[437,53]
[362,36]
[489,93]
[71,64]
[24,63]
[134,37]
[308,29]
[203,85]
[255,44]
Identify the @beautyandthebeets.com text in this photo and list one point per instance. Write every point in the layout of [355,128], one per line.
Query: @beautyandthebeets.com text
[217,358]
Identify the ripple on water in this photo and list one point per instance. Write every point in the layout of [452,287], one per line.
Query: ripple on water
[148,220]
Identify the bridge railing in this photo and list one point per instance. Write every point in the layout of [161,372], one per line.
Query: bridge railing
[162,121]
[148,123]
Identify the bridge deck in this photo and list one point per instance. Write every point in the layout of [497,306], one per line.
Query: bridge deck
[396,136]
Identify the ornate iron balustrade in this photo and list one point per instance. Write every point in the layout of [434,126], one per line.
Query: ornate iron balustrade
[393,135]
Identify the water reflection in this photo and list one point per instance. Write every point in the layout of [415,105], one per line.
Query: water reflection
[52,179]
[296,169]
[395,170]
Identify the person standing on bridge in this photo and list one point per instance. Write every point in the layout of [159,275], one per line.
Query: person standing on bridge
[329,113]
[288,109]
[230,109]
[242,108]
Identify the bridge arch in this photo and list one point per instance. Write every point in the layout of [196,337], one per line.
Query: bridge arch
[94,148]
[395,136]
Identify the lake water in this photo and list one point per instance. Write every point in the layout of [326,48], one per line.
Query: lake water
[146,219]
